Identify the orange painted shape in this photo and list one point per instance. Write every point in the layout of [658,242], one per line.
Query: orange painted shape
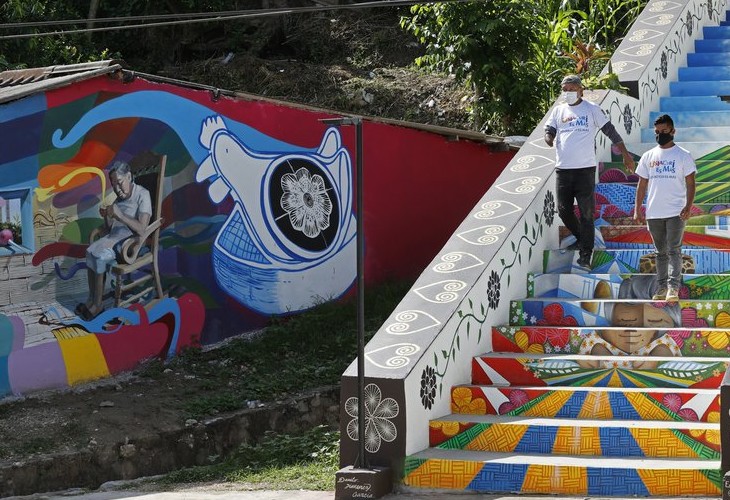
[556,480]
[550,405]
[577,441]
[662,443]
[677,482]
[597,405]
[83,358]
[451,474]
[498,438]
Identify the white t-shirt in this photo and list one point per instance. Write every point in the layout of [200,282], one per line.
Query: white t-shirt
[575,141]
[666,170]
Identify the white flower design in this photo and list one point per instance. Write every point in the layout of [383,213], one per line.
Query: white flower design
[378,427]
[306,201]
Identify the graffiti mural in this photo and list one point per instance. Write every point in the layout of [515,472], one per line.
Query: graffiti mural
[301,247]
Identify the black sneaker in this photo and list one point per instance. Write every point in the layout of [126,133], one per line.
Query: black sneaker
[584,262]
[573,246]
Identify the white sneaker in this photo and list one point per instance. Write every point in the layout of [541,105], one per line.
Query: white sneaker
[660,294]
[672,294]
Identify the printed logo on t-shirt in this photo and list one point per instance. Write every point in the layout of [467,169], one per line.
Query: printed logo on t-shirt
[662,169]
[576,121]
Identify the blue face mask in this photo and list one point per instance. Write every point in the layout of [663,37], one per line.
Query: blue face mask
[664,138]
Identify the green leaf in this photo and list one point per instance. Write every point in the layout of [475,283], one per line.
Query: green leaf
[458,342]
[482,308]
[435,360]
[519,258]
[444,354]
[526,228]
[471,304]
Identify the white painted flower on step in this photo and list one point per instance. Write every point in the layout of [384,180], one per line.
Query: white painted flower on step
[378,413]
[306,201]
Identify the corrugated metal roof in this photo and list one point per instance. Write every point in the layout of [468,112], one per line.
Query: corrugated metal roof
[19,83]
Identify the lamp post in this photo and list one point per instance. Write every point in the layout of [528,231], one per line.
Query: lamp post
[361,460]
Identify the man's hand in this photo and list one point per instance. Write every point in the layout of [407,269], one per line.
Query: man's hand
[549,138]
[684,214]
[116,212]
[629,163]
[639,216]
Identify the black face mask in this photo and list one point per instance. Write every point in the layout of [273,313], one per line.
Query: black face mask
[664,138]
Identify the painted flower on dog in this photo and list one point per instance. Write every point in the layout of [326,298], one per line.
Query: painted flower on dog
[378,412]
[306,201]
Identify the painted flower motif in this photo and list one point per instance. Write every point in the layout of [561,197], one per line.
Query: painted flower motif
[378,413]
[553,315]
[516,399]
[709,9]
[679,336]
[664,65]
[548,209]
[493,286]
[306,201]
[712,436]
[428,387]
[462,401]
[553,336]
[690,23]
[628,119]
[524,342]
[449,428]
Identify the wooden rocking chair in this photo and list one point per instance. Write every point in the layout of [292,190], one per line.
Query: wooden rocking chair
[139,254]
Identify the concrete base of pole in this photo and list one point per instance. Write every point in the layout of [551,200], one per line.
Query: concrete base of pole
[352,483]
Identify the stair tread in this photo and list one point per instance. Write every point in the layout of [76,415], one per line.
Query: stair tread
[577,422]
[567,460]
[596,357]
[578,388]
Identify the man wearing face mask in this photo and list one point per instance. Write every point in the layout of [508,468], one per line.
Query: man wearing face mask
[573,126]
[667,173]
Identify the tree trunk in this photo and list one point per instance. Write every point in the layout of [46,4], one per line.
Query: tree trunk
[478,118]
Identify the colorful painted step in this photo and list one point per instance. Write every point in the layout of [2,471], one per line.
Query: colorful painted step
[714,236]
[618,286]
[695,260]
[607,370]
[576,437]
[690,314]
[602,403]
[547,474]
[625,193]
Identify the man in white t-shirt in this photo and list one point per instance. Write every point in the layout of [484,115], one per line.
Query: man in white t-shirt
[667,172]
[573,126]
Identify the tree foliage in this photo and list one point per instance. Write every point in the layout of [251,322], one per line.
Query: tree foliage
[513,53]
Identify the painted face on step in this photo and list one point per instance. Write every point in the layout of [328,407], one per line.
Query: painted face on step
[642,315]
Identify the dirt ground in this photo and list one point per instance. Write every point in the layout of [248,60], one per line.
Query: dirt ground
[97,414]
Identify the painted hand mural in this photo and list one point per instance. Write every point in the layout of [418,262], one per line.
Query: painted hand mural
[289,242]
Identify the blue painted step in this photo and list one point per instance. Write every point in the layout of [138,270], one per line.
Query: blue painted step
[704,73]
[700,88]
[686,119]
[713,45]
[715,32]
[706,59]
[694,104]
[691,134]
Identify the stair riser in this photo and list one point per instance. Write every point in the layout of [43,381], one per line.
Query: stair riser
[623,214]
[700,261]
[625,194]
[703,74]
[608,286]
[704,88]
[715,32]
[536,372]
[692,104]
[648,314]
[692,134]
[508,478]
[649,441]
[687,119]
[705,59]
[707,171]
[611,237]
[712,45]
[595,403]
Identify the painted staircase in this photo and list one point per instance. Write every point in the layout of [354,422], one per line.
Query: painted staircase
[558,406]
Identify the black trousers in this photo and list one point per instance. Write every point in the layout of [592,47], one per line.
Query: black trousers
[578,184]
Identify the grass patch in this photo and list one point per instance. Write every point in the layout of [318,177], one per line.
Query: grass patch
[280,461]
[295,353]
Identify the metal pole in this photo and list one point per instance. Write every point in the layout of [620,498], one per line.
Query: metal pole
[362,462]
